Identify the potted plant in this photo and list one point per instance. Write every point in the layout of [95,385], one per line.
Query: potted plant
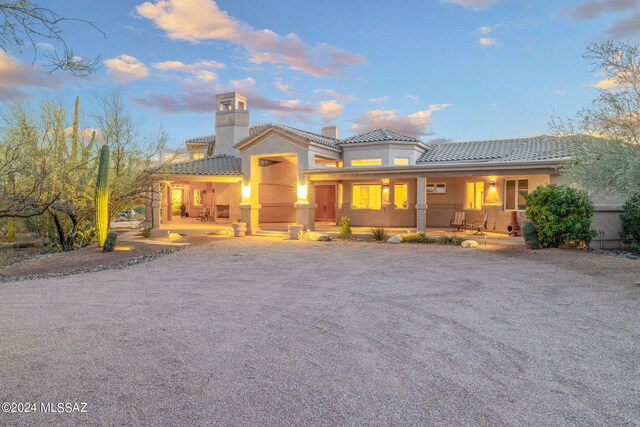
[239,228]
[295,230]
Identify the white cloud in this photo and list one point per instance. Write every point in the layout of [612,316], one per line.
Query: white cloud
[201,70]
[127,68]
[335,94]
[413,98]
[198,20]
[473,4]
[379,99]
[612,82]
[487,41]
[286,89]
[412,124]
[330,110]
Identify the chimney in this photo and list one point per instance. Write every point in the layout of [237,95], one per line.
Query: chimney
[330,131]
[232,122]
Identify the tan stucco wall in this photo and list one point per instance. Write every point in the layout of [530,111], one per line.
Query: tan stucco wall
[278,191]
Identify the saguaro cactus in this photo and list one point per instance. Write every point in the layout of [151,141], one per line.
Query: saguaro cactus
[102,196]
[74,131]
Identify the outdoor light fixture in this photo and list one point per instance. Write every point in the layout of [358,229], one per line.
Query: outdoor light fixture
[246,192]
[302,191]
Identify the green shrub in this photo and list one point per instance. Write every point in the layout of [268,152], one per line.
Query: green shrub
[630,222]
[560,214]
[345,226]
[417,238]
[379,233]
[110,242]
[146,231]
[451,239]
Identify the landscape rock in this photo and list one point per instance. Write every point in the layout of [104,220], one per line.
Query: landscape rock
[318,237]
[469,244]
[395,239]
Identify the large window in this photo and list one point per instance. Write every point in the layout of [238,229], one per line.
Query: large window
[197,156]
[400,196]
[475,194]
[197,197]
[515,191]
[366,162]
[367,196]
[398,161]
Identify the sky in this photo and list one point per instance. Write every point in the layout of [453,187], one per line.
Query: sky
[454,70]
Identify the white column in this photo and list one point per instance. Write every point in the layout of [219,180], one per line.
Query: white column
[421,205]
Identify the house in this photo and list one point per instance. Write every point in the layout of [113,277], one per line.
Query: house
[273,173]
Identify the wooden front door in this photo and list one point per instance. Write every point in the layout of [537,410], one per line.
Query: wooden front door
[326,200]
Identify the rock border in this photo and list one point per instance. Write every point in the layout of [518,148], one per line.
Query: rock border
[101,267]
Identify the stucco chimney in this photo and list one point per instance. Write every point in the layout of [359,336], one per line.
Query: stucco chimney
[232,122]
[330,131]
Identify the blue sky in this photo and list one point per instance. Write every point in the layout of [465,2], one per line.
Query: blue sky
[452,69]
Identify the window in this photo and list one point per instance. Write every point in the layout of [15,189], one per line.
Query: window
[197,197]
[398,161]
[367,196]
[515,191]
[437,188]
[400,196]
[196,156]
[366,162]
[475,194]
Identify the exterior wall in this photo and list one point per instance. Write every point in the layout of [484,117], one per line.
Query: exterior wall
[278,191]
[386,151]
[388,216]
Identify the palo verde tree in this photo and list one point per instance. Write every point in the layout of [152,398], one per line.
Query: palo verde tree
[609,163]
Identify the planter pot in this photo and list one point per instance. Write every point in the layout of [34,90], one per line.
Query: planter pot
[239,229]
[295,230]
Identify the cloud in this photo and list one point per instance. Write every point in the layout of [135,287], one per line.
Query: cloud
[126,68]
[201,70]
[485,29]
[16,76]
[593,9]
[198,20]
[622,28]
[413,124]
[198,100]
[335,94]
[286,89]
[379,99]
[85,133]
[413,98]
[487,41]
[473,4]
[613,82]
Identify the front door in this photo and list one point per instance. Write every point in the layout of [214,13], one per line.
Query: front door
[326,200]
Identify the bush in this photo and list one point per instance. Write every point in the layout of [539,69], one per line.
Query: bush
[630,222]
[146,231]
[379,233]
[345,226]
[560,214]
[451,239]
[417,238]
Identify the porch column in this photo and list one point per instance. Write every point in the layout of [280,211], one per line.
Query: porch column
[169,203]
[155,204]
[148,214]
[421,205]
[306,206]
[164,211]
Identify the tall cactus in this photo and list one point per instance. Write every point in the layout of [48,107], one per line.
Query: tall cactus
[74,131]
[102,196]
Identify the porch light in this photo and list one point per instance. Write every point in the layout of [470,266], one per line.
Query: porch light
[246,192]
[302,192]
[492,196]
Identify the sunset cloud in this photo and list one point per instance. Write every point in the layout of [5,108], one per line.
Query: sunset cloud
[335,94]
[484,32]
[126,68]
[378,99]
[198,20]
[330,110]
[15,77]
[593,9]
[487,41]
[414,124]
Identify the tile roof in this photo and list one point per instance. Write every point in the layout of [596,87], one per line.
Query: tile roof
[209,139]
[378,135]
[216,165]
[312,137]
[507,150]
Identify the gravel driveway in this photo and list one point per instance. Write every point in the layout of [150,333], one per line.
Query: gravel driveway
[260,332]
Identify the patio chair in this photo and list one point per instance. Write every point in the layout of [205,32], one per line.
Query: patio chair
[206,215]
[458,220]
[477,226]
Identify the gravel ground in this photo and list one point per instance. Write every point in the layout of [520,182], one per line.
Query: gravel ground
[256,331]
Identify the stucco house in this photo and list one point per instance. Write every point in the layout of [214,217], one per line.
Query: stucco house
[275,174]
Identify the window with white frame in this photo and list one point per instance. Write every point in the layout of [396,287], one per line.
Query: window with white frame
[437,188]
[366,196]
[475,195]
[515,191]
[197,197]
[400,161]
[366,162]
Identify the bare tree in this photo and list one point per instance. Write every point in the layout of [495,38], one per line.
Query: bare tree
[25,23]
